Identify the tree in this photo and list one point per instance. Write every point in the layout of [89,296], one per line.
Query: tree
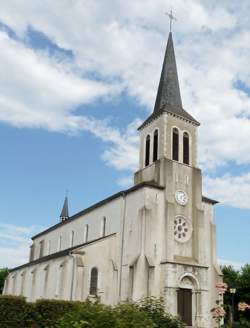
[241,281]
[3,274]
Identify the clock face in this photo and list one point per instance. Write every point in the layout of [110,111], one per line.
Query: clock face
[181,197]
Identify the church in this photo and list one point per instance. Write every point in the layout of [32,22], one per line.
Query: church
[157,238]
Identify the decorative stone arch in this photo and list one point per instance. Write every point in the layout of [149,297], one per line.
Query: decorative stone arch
[59,291]
[23,280]
[13,285]
[6,285]
[33,273]
[192,278]
[45,271]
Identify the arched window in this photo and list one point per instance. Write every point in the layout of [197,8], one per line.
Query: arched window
[93,282]
[103,231]
[155,151]
[86,233]
[175,146]
[186,148]
[147,152]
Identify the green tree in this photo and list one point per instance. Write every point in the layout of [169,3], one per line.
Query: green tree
[3,275]
[239,279]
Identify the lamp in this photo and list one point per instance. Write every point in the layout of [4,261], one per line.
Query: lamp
[232,291]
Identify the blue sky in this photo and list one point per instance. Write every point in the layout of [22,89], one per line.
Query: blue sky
[77,78]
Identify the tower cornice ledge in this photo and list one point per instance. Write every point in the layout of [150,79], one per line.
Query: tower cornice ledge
[181,114]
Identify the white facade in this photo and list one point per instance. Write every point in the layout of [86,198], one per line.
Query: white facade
[155,239]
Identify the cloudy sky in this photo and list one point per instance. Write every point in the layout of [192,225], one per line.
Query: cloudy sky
[77,78]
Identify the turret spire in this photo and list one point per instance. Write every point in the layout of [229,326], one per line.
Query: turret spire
[65,210]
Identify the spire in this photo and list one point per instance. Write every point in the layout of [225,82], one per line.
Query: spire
[168,90]
[65,210]
[168,97]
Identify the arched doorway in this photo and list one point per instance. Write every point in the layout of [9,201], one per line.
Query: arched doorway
[185,299]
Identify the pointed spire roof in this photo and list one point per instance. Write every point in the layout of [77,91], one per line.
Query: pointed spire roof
[65,210]
[168,90]
[168,97]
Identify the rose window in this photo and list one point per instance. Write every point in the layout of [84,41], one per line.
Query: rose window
[182,229]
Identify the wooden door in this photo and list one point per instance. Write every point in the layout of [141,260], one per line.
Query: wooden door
[185,305]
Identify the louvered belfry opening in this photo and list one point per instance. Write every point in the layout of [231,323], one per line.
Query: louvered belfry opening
[147,152]
[175,150]
[155,152]
[186,148]
[185,305]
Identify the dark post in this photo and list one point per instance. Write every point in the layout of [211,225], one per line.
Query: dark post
[232,292]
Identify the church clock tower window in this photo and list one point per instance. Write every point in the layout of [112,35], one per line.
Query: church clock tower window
[186,148]
[147,152]
[155,151]
[175,145]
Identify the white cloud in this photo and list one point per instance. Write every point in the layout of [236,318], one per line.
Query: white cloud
[38,91]
[15,243]
[230,190]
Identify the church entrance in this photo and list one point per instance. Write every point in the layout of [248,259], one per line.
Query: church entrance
[185,305]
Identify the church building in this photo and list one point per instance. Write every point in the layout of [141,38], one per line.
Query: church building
[156,238]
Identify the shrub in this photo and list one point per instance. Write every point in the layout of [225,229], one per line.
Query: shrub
[155,309]
[149,313]
[48,312]
[128,315]
[15,312]
[88,314]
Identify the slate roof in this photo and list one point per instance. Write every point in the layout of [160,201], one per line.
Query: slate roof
[168,97]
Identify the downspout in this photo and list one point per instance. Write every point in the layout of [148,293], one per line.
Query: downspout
[122,242]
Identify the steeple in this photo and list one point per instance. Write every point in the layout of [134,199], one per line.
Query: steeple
[65,210]
[168,97]
[168,90]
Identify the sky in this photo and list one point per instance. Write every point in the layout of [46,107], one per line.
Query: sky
[79,76]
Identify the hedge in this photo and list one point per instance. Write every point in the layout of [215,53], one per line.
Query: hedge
[148,313]
[16,312]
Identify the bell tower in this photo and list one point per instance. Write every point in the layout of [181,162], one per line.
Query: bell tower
[168,158]
[170,132]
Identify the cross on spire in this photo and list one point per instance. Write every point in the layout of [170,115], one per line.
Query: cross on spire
[171,18]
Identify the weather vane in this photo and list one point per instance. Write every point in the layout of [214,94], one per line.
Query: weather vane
[171,18]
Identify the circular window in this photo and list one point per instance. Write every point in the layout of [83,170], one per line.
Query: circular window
[182,229]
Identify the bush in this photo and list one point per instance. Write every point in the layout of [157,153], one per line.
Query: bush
[48,312]
[15,312]
[88,314]
[149,313]
[129,315]
[155,309]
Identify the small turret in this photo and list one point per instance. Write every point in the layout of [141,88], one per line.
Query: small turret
[65,211]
